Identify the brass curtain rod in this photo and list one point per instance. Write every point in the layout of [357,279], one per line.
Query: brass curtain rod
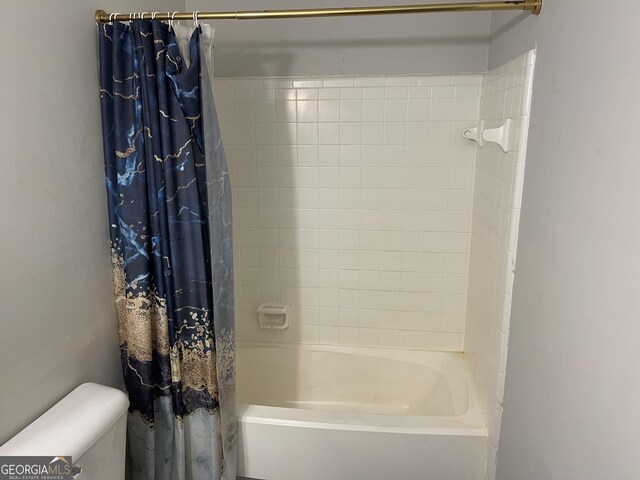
[534,6]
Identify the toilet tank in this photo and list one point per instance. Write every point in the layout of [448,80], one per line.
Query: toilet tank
[89,424]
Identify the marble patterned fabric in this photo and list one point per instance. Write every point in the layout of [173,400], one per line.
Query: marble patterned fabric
[170,229]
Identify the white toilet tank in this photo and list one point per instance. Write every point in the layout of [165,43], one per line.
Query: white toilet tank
[89,424]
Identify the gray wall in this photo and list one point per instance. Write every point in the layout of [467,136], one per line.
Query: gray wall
[57,325]
[573,380]
[432,43]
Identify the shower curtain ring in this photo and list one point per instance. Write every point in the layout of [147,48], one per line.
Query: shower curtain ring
[195,19]
[172,17]
[142,15]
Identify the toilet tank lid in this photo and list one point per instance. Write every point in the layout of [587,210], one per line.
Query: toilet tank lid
[72,425]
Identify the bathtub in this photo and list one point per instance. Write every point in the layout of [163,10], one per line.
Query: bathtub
[356,413]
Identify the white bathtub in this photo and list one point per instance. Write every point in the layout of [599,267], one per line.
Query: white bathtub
[351,413]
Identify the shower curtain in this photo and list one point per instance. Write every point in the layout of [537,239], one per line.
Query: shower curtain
[169,203]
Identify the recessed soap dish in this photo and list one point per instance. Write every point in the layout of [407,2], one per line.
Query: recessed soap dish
[273,316]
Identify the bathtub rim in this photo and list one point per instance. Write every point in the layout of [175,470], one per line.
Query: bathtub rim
[470,423]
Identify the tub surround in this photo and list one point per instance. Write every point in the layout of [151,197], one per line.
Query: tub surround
[506,93]
[352,203]
[358,203]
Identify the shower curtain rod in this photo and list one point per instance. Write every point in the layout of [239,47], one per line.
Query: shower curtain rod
[534,6]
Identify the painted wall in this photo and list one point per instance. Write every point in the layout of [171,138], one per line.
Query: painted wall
[56,303]
[573,381]
[434,43]
[352,204]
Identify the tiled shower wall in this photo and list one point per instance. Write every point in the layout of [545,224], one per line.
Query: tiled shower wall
[352,204]
[506,94]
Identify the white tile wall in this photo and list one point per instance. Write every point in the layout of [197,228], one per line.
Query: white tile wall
[506,93]
[352,203]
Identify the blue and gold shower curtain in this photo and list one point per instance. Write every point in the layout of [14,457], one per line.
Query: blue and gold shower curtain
[170,227]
